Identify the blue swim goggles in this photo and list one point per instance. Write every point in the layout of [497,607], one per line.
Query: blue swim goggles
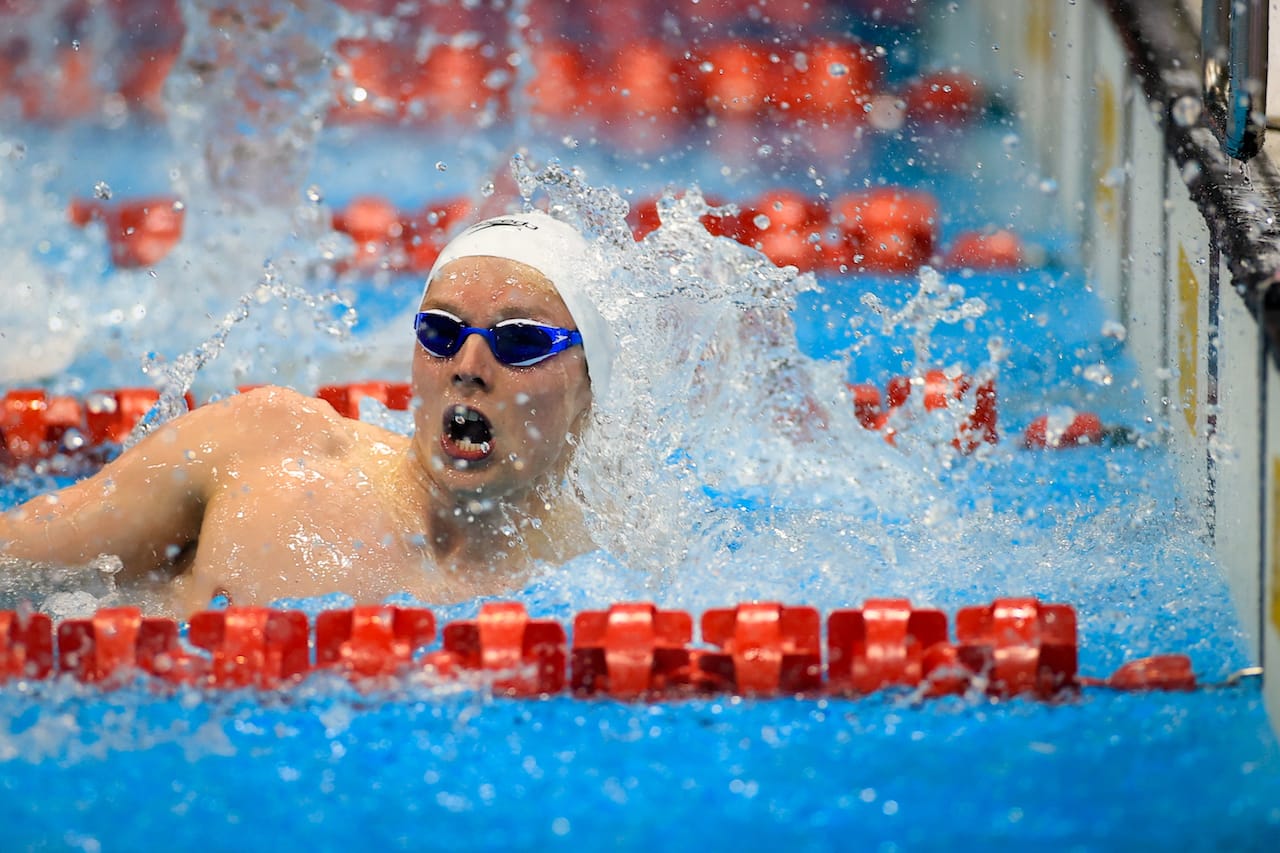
[515,343]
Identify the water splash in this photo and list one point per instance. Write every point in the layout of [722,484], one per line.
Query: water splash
[719,431]
[62,592]
[727,465]
[175,378]
[936,302]
[42,326]
[266,64]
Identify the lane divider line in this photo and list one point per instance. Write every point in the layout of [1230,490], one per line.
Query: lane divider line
[631,651]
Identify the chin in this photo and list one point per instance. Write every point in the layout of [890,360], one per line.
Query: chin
[474,490]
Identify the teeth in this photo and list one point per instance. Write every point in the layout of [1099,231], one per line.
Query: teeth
[464,427]
[472,446]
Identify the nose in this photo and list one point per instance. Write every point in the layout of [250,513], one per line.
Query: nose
[473,364]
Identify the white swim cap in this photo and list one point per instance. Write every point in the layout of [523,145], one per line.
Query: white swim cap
[559,252]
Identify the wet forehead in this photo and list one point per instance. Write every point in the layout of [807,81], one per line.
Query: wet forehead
[484,290]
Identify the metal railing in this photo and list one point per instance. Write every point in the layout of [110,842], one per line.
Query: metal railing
[1233,40]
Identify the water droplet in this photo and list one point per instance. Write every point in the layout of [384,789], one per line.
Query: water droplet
[75,44]
[441,166]
[314,195]
[1099,374]
[102,190]
[1114,177]
[1115,330]
[487,189]
[1186,111]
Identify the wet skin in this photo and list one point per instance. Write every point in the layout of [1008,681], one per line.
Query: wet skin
[272,494]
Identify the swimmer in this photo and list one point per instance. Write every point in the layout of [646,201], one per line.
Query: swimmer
[271,494]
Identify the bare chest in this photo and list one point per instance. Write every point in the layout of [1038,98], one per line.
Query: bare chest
[294,530]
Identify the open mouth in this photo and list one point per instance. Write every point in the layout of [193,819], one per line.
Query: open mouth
[467,434]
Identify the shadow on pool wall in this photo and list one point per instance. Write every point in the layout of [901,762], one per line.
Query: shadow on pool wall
[916,177]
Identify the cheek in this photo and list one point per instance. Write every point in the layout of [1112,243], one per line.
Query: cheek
[538,413]
[429,377]
[419,371]
[424,365]
[547,415]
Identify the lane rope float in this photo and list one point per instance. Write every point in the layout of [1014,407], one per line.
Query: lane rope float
[65,432]
[888,231]
[1012,647]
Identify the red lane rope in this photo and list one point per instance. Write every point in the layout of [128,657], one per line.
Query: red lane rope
[882,231]
[36,427]
[627,82]
[634,650]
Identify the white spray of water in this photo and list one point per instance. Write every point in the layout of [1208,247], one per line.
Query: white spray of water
[267,65]
[727,466]
[175,378]
[724,452]
[42,324]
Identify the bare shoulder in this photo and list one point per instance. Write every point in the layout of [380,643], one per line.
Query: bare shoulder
[292,415]
[275,416]
[277,403]
[264,420]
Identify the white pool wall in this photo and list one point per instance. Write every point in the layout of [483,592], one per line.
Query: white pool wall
[1207,370]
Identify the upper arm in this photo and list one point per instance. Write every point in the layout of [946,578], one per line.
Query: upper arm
[144,507]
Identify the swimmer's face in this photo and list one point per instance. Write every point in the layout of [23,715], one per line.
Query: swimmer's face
[486,430]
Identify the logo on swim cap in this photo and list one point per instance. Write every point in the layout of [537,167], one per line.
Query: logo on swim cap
[494,223]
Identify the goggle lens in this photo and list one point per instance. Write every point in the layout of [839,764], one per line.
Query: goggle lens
[439,334]
[515,343]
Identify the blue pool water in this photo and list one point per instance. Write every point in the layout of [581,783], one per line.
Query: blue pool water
[325,768]
[440,766]
[228,772]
